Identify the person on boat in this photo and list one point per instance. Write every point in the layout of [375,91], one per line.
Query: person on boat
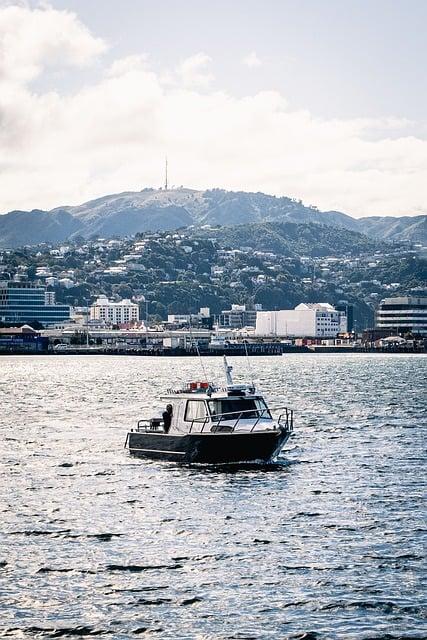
[167,417]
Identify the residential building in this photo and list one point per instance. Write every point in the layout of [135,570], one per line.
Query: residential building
[123,312]
[405,314]
[311,320]
[66,282]
[24,302]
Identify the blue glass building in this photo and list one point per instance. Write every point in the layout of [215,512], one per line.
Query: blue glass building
[23,302]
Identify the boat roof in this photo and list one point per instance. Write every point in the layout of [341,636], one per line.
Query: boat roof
[206,391]
[205,396]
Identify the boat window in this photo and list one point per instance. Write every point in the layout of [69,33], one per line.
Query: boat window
[195,410]
[233,407]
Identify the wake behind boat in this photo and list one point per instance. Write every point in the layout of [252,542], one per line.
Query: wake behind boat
[208,424]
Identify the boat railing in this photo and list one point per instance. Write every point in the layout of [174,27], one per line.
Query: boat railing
[151,425]
[285,419]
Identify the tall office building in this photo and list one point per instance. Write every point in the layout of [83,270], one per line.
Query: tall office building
[24,302]
[403,315]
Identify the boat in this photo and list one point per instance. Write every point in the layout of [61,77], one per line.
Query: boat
[213,425]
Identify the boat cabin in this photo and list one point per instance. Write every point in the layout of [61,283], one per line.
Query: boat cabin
[200,407]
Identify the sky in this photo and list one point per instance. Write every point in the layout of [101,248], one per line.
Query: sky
[320,100]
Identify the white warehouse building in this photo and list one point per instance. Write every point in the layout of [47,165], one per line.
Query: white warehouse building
[309,320]
[123,312]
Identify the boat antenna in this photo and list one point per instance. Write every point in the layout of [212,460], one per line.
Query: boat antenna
[228,369]
[245,342]
[196,344]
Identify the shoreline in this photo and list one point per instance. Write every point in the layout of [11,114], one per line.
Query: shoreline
[219,354]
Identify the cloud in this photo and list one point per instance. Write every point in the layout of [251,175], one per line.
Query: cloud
[33,39]
[129,64]
[192,71]
[113,135]
[251,60]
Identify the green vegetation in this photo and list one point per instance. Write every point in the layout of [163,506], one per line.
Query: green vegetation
[290,239]
[277,265]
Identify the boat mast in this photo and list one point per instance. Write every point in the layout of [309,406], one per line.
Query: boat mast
[228,369]
[196,344]
[249,364]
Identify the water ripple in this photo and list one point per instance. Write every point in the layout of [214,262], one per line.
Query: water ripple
[329,542]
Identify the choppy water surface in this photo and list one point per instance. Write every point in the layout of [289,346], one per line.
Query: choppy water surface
[327,543]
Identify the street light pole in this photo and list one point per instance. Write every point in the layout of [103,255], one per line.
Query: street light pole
[87,324]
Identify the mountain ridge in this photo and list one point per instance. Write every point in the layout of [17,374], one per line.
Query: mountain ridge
[130,212]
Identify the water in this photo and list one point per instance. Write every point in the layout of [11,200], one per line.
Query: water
[326,543]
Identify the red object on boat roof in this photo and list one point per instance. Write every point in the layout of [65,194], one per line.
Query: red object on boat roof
[196,386]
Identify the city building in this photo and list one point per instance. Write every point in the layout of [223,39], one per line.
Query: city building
[403,315]
[311,320]
[79,315]
[179,318]
[123,312]
[347,317]
[238,316]
[66,282]
[201,319]
[49,298]
[22,340]
[24,302]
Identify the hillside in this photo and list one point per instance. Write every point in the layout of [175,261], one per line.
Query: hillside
[128,213]
[19,228]
[292,240]
[276,264]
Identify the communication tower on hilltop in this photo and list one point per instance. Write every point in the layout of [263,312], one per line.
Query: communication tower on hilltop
[166,173]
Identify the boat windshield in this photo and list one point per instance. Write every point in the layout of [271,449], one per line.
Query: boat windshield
[233,407]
